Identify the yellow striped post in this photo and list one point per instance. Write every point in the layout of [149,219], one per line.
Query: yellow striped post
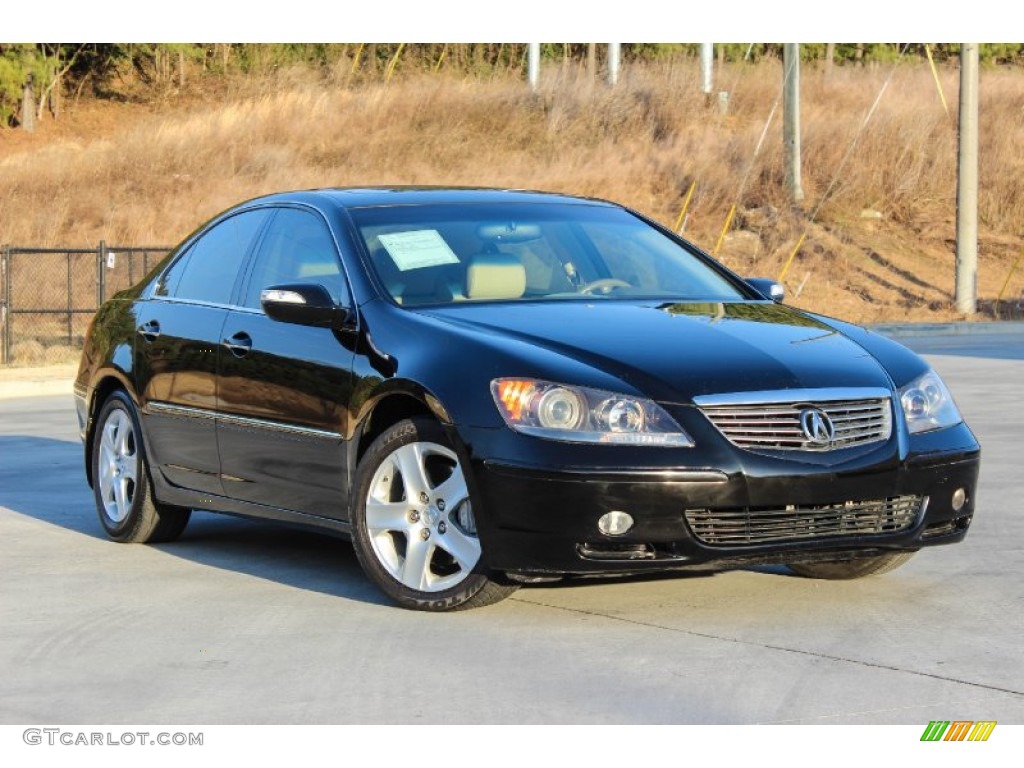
[394,63]
[444,51]
[355,61]
[1006,282]
[935,74]
[686,206]
[796,249]
[728,222]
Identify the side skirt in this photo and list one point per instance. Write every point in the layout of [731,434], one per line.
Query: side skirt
[183,497]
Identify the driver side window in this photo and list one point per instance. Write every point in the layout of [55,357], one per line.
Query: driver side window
[297,248]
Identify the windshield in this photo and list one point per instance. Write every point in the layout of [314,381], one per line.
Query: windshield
[441,254]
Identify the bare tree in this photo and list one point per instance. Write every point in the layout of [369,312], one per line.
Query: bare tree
[52,93]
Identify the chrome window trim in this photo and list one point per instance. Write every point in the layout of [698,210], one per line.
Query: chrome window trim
[191,302]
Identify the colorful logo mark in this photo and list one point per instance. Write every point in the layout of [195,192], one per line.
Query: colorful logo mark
[958,730]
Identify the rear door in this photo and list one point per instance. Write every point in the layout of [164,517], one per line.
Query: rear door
[178,336]
[284,389]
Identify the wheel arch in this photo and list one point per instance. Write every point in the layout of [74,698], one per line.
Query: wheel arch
[385,412]
[397,401]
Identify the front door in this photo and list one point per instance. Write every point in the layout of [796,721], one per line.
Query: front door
[284,389]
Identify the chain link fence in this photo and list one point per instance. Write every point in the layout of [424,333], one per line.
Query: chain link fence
[49,295]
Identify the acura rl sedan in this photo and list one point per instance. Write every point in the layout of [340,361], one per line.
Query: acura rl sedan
[485,388]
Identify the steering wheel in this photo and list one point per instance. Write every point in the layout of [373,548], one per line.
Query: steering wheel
[605,285]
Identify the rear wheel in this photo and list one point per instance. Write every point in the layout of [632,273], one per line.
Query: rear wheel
[414,529]
[121,485]
[852,569]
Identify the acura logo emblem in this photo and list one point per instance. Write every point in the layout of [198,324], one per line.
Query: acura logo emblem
[817,426]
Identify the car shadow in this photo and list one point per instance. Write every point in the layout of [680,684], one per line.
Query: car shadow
[59,495]
[288,555]
[690,572]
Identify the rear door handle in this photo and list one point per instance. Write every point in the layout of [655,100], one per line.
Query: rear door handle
[239,344]
[150,331]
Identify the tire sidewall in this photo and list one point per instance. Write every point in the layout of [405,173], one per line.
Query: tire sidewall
[404,433]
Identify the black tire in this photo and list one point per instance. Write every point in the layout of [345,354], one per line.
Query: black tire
[855,568]
[121,481]
[412,523]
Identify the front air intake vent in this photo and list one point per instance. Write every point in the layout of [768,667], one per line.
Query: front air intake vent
[769,525]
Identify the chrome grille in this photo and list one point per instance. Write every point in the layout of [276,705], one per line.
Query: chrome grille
[725,527]
[776,424]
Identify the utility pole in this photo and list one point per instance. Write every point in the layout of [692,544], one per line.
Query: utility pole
[614,57]
[533,64]
[791,118]
[28,105]
[707,56]
[967,184]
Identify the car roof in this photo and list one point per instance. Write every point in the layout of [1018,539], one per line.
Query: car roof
[364,197]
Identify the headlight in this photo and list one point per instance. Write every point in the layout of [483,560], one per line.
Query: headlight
[582,415]
[928,405]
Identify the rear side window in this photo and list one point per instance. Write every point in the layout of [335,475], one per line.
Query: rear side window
[210,268]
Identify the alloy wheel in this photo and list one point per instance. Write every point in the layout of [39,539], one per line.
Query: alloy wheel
[118,465]
[419,518]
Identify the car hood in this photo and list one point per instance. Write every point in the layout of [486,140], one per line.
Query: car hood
[677,351]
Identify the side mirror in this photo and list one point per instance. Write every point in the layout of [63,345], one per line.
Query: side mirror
[302,304]
[767,287]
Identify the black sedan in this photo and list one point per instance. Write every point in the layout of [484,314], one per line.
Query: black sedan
[484,388]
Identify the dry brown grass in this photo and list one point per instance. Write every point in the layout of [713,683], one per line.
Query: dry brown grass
[642,143]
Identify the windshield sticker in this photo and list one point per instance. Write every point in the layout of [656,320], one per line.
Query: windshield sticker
[418,249]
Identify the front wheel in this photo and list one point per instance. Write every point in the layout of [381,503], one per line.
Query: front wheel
[855,568]
[414,529]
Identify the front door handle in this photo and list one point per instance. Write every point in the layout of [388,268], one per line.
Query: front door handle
[150,331]
[239,344]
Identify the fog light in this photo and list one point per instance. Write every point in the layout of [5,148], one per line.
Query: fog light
[959,498]
[615,523]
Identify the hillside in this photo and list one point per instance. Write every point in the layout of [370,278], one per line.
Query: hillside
[882,197]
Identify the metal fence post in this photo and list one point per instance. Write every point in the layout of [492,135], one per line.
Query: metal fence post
[71,308]
[101,262]
[5,319]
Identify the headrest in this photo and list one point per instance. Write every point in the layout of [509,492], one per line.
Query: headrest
[495,276]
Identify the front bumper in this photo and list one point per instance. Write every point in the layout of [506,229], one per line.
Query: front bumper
[543,521]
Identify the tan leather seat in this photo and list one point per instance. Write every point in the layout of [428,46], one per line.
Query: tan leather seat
[495,276]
